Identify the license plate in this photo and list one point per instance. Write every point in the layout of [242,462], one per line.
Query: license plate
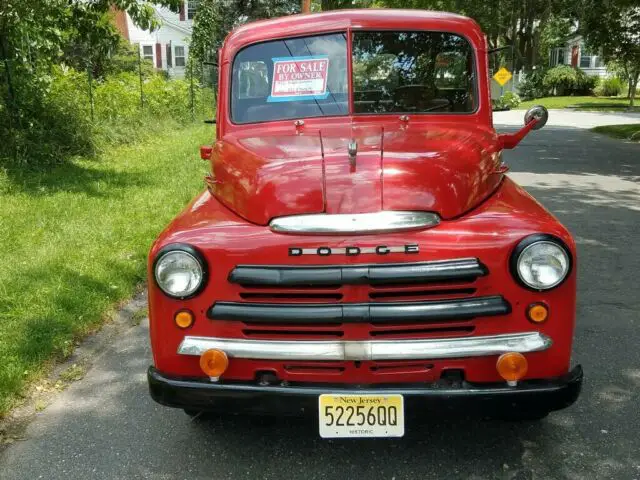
[352,416]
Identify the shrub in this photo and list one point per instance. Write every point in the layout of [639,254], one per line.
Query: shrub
[610,87]
[561,79]
[507,101]
[53,120]
[125,59]
[585,84]
[533,85]
[567,80]
[48,120]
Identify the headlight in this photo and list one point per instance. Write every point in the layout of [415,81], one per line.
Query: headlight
[180,271]
[541,262]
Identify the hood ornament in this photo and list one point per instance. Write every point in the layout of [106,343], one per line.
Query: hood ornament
[352,149]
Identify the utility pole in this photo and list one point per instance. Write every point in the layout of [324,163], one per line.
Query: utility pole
[306,6]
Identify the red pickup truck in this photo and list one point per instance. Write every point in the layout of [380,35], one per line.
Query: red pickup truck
[359,252]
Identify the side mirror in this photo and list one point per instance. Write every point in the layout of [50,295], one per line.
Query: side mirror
[535,118]
[539,113]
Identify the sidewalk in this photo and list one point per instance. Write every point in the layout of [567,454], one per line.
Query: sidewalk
[569,118]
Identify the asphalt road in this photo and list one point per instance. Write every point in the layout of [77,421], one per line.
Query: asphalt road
[106,426]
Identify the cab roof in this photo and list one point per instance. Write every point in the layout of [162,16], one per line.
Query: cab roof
[362,19]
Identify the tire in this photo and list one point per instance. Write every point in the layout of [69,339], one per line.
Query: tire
[193,413]
[528,416]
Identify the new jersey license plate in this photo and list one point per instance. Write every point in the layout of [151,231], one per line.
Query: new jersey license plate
[343,416]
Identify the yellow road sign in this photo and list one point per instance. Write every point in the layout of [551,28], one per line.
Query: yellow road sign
[502,76]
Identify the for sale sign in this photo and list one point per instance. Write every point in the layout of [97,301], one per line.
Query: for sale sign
[299,78]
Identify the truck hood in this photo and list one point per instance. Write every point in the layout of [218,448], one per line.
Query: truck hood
[442,169]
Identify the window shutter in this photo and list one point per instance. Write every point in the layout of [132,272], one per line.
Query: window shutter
[182,11]
[158,55]
[169,59]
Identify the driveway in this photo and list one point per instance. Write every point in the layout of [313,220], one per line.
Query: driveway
[106,426]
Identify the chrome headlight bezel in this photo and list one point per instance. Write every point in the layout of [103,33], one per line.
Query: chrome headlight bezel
[525,245]
[190,251]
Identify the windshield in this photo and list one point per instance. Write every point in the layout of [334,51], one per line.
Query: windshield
[293,78]
[393,72]
[412,72]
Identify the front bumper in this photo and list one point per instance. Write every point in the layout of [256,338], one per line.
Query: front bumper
[531,395]
[363,350]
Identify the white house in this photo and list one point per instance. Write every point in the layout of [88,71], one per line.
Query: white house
[574,53]
[168,46]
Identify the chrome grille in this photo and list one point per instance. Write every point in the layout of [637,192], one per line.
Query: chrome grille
[437,299]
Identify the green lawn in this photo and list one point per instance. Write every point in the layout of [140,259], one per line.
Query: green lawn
[581,103]
[625,132]
[74,242]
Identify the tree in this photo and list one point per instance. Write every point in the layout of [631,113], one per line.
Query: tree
[42,33]
[36,36]
[526,25]
[216,18]
[326,5]
[613,27]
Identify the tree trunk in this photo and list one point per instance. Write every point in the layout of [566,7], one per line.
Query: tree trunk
[11,95]
[544,18]
[528,33]
[513,30]
[632,89]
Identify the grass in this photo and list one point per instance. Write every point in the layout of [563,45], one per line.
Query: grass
[74,373]
[625,132]
[138,316]
[601,104]
[74,242]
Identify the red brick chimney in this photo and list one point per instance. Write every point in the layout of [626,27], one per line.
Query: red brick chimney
[120,22]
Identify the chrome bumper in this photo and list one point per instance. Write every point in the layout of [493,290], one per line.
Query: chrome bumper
[430,349]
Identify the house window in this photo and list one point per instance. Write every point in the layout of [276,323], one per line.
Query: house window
[192,6]
[557,57]
[585,59]
[147,52]
[179,56]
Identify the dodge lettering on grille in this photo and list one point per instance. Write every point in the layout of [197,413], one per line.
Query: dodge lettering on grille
[354,251]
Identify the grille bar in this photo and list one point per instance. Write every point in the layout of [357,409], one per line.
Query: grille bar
[463,269]
[376,313]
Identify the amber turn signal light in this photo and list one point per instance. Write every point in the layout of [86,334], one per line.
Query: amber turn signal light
[538,313]
[214,363]
[183,319]
[512,367]
[205,152]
